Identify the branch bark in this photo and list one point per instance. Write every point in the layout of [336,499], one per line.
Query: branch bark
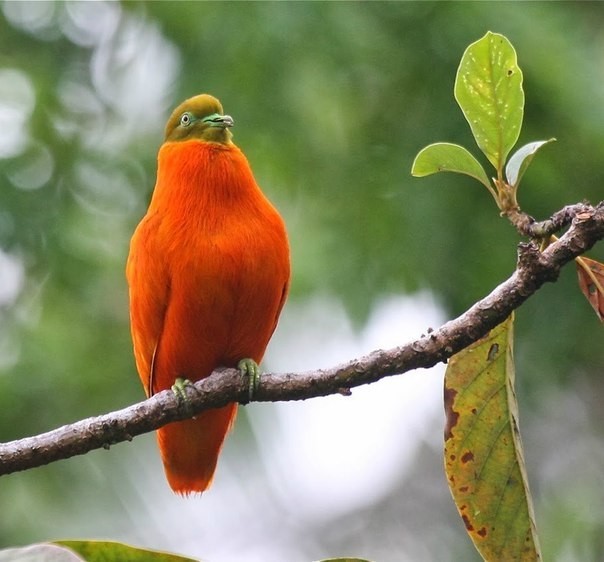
[528,226]
[534,268]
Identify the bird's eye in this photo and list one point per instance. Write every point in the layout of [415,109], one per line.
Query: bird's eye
[186,119]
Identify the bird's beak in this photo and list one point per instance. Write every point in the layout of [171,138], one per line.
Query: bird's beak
[220,121]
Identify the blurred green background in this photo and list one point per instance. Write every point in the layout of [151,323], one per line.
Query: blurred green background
[331,102]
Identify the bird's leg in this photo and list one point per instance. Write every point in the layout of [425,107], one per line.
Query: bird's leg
[249,368]
[180,389]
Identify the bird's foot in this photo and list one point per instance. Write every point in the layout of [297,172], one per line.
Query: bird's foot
[180,389]
[250,369]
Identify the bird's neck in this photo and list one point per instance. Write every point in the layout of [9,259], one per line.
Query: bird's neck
[196,177]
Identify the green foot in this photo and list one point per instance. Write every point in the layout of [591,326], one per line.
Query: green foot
[180,389]
[249,368]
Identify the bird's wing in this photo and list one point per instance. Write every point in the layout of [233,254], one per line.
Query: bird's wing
[284,294]
[149,289]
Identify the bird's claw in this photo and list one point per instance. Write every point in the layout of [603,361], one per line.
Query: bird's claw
[250,369]
[179,388]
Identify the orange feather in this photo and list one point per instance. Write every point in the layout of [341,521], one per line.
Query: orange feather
[208,273]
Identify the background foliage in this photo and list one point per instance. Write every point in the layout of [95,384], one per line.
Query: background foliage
[331,102]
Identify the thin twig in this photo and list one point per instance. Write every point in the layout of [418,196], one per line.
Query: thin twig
[526,225]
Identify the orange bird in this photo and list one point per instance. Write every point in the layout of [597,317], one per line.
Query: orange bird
[208,274]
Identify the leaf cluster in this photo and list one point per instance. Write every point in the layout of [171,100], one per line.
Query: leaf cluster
[488,89]
[483,454]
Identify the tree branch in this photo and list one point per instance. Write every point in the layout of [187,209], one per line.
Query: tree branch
[534,268]
[528,226]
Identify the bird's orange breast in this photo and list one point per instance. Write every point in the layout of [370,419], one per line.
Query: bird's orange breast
[224,259]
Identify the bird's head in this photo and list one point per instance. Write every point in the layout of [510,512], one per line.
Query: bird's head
[200,117]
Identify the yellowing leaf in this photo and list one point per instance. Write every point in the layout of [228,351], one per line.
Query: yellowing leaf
[591,283]
[108,551]
[483,453]
[488,88]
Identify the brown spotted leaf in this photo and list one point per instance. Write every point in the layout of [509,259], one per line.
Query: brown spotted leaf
[483,453]
[591,283]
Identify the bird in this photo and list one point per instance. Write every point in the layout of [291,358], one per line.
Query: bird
[208,274]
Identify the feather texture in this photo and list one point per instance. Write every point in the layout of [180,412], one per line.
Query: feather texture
[208,273]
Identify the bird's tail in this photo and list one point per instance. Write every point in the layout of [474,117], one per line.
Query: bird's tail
[190,448]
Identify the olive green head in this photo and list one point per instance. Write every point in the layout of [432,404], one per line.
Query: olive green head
[200,117]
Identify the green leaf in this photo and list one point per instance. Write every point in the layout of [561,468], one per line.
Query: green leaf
[520,160]
[488,88]
[107,551]
[344,560]
[483,453]
[39,553]
[447,157]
